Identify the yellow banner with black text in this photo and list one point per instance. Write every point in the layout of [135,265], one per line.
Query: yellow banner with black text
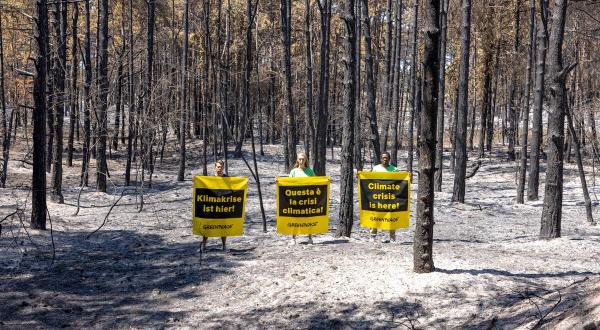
[302,205]
[218,206]
[384,199]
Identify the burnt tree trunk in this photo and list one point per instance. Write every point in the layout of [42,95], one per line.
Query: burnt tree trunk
[38,179]
[370,76]
[347,155]
[439,153]
[525,133]
[320,144]
[460,170]
[423,242]
[74,99]
[553,192]
[290,123]
[102,168]
[536,134]
[184,86]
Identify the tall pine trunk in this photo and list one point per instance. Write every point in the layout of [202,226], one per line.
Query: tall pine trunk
[536,138]
[439,153]
[38,179]
[525,133]
[460,169]
[553,192]
[347,155]
[184,85]
[370,76]
[423,243]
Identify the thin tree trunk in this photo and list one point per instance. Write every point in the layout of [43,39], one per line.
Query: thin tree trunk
[310,126]
[87,98]
[102,168]
[586,194]
[74,101]
[320,144]
[131,131]
[5,130]
[439,153]
[290,122]
[460,170]
[423,242]
[38,179]
[396,82]
[413,93]
[346,215]
[512,120]
[553,192]
[536,139]
[530,63]
[184,103]
[371,94]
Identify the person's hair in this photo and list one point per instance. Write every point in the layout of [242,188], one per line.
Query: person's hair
[385,153]
[305,161]
[220,162]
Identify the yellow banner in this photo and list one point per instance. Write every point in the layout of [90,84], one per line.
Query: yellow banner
[384,199]
[218,206]
[302,205]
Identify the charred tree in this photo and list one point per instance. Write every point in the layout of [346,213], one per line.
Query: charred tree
[347,155]
[460,170]
[38,179]
[370,76]
[557,72]
[184,85]
[439,153]
[525,133]
[423,242]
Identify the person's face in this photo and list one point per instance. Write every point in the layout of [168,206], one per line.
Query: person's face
[219,169]
[385,159]
[302,161]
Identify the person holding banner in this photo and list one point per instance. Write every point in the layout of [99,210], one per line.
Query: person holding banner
[384,166]
[301,170]
[219,171]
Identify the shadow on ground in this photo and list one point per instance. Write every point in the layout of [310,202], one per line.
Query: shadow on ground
[115,278]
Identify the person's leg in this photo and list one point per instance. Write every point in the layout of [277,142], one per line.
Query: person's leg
[310,241]
[293,242]
[392,235]
[224,240]
[373,233]
[203,245]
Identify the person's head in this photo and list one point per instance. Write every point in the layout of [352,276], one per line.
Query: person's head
[219,168]
[301,160]
[385,158]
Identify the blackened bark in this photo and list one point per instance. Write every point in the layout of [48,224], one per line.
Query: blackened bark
[60,15]
[371,95]
[553,192]
[131,131]
[395,94]
[101,166]
[525,133]
[486,102]
[460,170]
[423,243]
[413,94]
[87,98]
[309,132]
[184,85]
[584,188]
[5,130]
[536,134]
[290,123]
[74,99]
[38,180]
[320,144]
[512,117]
[347,155]
[439,152]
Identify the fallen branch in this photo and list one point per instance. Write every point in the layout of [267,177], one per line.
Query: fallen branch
[110,210]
